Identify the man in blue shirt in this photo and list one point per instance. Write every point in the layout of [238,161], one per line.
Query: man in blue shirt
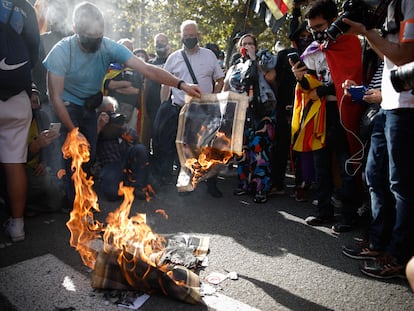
[76,67]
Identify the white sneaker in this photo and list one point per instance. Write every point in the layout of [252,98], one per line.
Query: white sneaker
[15,229]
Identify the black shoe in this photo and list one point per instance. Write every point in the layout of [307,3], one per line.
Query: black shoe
[212,188]
[214,192]
[361,251]
[342,227]
[318,221]
[260,197]
[384,268]
[239,191]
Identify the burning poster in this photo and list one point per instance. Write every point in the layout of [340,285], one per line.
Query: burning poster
[210,132]
[131,255]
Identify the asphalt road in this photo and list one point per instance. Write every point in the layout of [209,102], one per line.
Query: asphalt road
[282,263]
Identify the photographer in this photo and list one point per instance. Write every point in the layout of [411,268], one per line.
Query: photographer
[391,234]
[328,64]
[119,155]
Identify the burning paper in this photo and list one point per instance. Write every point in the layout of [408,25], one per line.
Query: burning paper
[210,132]
[132,256]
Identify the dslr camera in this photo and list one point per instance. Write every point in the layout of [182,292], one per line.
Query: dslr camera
[357,11]
[402,78]
[116,118]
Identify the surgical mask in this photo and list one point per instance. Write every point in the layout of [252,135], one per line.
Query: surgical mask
[221,63]
[91,45]
[161,50]
[320,36]
[190,42]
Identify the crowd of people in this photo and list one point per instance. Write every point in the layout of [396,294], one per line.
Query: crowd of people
[346,153]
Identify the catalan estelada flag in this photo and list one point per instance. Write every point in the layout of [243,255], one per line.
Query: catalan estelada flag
[279,7]
[272,11]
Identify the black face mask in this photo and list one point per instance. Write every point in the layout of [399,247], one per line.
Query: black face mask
[190,42]
[161,50]
[320,36]
[91,45]
[303,44]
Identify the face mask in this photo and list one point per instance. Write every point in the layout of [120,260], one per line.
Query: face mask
[221,63]
[161,50]
[190,42]
[91,45]
[320,36]
[303,44]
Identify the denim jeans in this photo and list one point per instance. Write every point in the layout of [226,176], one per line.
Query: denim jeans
[132,170]
[389,173]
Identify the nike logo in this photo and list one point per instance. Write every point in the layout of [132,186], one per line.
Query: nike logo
[4,66]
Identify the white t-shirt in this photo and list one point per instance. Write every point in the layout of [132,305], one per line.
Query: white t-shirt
[390,98]
[206,70]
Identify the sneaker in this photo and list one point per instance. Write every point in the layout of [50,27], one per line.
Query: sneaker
[15,230]
[360,251]
[384,267]
[239,191]
[318,221]
[276,191]
[260,197]
[315,202]
[342,227]
[336,202]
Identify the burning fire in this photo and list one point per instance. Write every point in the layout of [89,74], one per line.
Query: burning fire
[131,235]
[209,156]
[138,251]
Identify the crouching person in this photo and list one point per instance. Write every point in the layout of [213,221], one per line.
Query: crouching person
[119,157]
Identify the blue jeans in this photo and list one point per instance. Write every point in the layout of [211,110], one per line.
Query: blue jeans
[132,170]
[389,173]
[86,121]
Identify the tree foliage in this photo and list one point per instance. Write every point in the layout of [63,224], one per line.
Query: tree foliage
[218,21]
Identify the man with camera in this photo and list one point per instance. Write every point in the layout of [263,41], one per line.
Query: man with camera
[76,67]
[119,156]
[327,63]
[389,169]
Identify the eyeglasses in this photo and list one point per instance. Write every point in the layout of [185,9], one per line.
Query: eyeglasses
[247,43]
[316,27]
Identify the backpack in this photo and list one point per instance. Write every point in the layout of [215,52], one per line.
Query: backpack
[15,64]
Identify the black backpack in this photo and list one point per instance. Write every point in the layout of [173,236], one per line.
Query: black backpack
[15,62]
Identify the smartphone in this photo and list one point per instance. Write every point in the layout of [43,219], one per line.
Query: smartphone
[294,57]
[54,127]
[357,92]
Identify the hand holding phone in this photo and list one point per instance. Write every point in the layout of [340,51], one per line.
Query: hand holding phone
[54,127]
[294,57]
[357,92]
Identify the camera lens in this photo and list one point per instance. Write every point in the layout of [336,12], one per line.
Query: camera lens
[402,79]
[338,27]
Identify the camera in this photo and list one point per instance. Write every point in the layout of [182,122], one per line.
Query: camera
[402,78]
[116,118]
[355,10]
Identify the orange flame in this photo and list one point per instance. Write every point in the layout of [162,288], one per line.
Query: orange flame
[130,235]
[82,226]
[218,153]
